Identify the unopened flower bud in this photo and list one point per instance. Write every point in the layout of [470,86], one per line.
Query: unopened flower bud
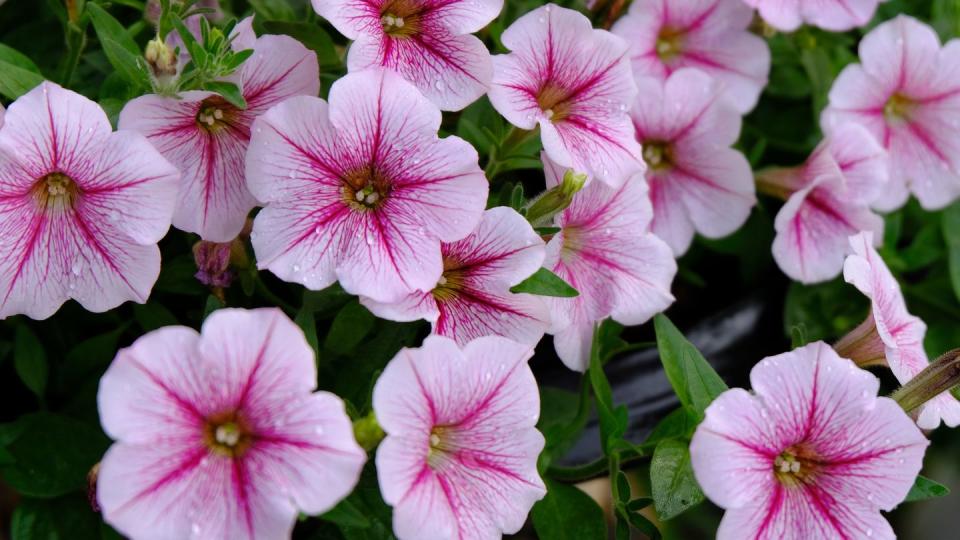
[368,432]
[162,61]
[557,199]
[213,263]
[940,376]
[92,486]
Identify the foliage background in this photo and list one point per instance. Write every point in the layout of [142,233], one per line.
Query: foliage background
[49,370]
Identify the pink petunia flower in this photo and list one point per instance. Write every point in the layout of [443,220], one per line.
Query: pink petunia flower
[811,453]
[81,207]
[460,456]
[606,251]
[428,42]
[361,190]
[575,83]
[219,435]
[834,15]
[712,36]
[890,335]
[828,199]
[697,182]
[906,92]
[207,138]
[472,298]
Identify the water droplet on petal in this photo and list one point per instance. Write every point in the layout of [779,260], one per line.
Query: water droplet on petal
[75,269]
[296,267]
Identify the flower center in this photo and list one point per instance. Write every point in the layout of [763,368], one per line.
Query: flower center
[669,44]
[55,192]
[451,281]
[227,434]
[553,101]
[441,447]
[898,107]
[657,155]
[215,114]
[365,188]
[400,18]
[796,465]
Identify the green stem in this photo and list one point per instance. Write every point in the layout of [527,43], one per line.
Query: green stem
[593,469]
[76,40]
[515,137]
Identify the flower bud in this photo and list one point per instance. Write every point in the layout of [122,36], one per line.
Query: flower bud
[162,61]
[555,200]
[940,376]
[213,263]
[368,432]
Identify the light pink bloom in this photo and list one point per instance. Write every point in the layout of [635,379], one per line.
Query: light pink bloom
[710,35]
[906,91]
[207,138]
[361,190]
[460,457]
[828,199]
[890,332]
[428,42]
[811,453]
[472,298]
[81,207]
[575,83]
[219,435]
[605,250]
[697,182]
[835,15]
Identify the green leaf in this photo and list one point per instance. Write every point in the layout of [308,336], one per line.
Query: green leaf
[108,27]
[950,224]
[545,283]
[693,379]
[308,323]
[213,303]
[91,356]
[672,482]
[567,513]
[131,67]
[16,81]
[229,91]
[563,415]
[15,57]
[679,424]
[613,421]
[347,513]
[42,467]
[348,328]
[273,9]
[925,488]
[30,360]
[64,518]
[153,315]
[313,37]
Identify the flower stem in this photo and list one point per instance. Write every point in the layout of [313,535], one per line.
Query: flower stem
[593,469]
[940,376]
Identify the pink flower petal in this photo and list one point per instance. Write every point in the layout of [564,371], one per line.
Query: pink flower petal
[833,15]
[281,67]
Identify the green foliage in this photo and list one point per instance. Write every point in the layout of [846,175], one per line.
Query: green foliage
[30,361]
[675,490]
[545,283]
[692,378]
[567,513]
[925,488]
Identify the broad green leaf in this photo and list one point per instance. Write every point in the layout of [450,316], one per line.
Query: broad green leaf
[306,321]
[348,514]
[108,27]
[213,303]
[15,57]
[16,81]
[131,67]
[672,482]
[30,360]
[348,328]
[925,488]
[563,415]
[567,513]
[545,283]
[693,379]
[950,223]
[91,356]
[679,424]
[153,315]
[229,91]
[274,9]
[63,518]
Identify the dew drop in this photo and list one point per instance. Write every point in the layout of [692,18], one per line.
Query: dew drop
[75,269]
[318,430]
[296,267]
[439,84]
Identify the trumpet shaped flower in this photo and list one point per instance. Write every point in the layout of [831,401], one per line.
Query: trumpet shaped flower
[811,453]
[82,209]
[890,335]
[605,250]
[472,298]
[361,190]
[712,36]
[828,199]
[219,434]
[697,182]
[207,138]
[460,457]
[428,42]
[575,83]
[906,92]
[833,15]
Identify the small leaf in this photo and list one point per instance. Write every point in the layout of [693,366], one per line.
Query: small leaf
[613,421]
[348,328]
[925,488]
[679,424]
[346,514]
[306,321]
[213,304]
[672,482]
[30,360]
[153,315]
[567,513]
[108,27]
[16,81]
[130,67]
[229,91]
[545,283]
[693,379]
[15,57]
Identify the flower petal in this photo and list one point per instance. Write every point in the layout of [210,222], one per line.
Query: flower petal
[280,68]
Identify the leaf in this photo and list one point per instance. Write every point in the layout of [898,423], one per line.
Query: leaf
[925,488]
[348,514]
[229,91]
[672,483]
[313,37]
[950,224]
[613,421]
[43,468]
[679,424]
[15,57]
[16,81]
[213,303]
[30,360]
[348,328]
[153,315]
[91,356]
[130,67]
[545,283]
[64,518]
[273,9]
[567,513]
[306,321]
[108,27]
[563,415]
[693,379]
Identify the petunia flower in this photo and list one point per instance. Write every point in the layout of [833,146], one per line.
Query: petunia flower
[828,199]
[219,434]
[472,298]
[206,137]
[697,182]
[890,335]
[575,83]
[906,92]
[81,207]
[811,453]
[712,36]
[361,190]
[460,456]
[833,15]
[428,42]
[605,250]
